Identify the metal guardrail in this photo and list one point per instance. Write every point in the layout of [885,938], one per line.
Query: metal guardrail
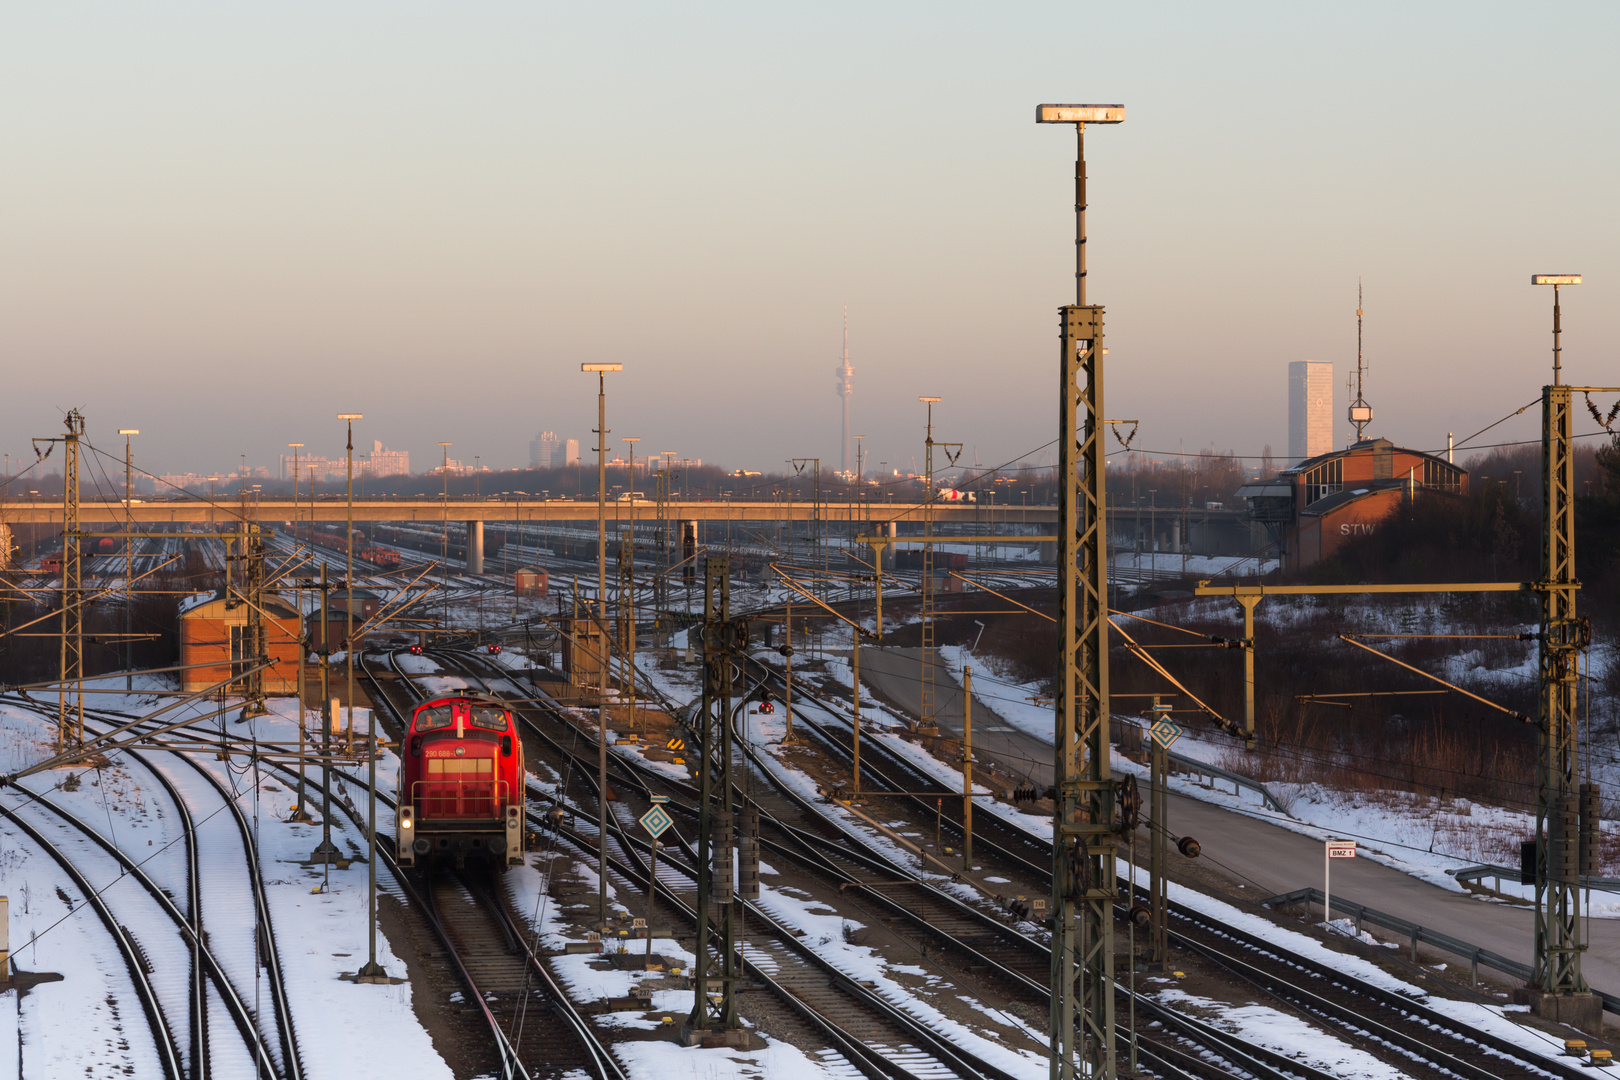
[1508,873]
[1237,780]
[1474,954]
[1140,743]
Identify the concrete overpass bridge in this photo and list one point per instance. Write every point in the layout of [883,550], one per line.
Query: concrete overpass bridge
[1203,531]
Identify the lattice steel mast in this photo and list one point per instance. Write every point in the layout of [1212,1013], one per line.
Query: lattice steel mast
[1360,412]
[714,1006]
[1083,848]
[1566,846]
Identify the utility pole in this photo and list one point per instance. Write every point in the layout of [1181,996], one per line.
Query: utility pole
[300,813]
[601,371]
[816,537]
[129,557]
[444,542]
[967,767]
[256,644]
[630,593]
[348,634]
[326,852]
[714,1007]
[1083,844]
[927,723]
[70,733]
[1158,830]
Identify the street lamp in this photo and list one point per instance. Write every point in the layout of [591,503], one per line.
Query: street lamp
[371,971]
[1556,280]
[601,371]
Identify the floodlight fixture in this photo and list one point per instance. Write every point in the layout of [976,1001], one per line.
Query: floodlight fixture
[1079,114]
[350,416]
[601,367]
[129,431]
[1556,280]
[930,400]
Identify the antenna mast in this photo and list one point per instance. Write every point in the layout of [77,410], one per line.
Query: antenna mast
[1360,411]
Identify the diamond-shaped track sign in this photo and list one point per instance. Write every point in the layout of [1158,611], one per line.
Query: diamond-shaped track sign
[1165,732]
[656,821]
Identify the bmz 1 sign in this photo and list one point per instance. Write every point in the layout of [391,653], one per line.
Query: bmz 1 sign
[1341,849]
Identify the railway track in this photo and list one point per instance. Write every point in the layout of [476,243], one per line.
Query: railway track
[207,1051]
[515,990]
[869,1032]
[982,937]
[1396,1027]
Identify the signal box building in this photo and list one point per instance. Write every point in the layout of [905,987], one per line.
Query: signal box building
[213,634]
[528,581]
[1319,504]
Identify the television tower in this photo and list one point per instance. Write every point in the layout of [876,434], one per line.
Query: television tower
[1360,411]
[846,388]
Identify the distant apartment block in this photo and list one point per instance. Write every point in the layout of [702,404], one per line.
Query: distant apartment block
[1310,409]
[385,462]
[545,451]
[572,453]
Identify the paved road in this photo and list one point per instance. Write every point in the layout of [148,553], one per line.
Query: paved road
[1264,858]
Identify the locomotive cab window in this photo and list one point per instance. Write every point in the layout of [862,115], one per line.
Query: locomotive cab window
[440,716]
[487,718]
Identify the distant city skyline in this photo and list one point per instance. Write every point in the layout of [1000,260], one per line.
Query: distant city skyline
[436,225]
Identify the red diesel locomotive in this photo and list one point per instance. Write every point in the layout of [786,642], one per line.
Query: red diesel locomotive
[461,784]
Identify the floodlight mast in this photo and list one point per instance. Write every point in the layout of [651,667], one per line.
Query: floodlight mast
[1080,116]
[1556,280]
[1084,883]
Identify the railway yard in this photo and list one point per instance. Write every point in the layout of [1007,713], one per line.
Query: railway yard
[172,915]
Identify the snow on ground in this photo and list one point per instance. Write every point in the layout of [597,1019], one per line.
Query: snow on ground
[1427,837]
[822,929]
[1290,1036]
[80,1023]
[416,663]
[1134,565]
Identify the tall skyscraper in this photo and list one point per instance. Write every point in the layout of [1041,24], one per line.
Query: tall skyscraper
[543,451]
[1310,409]
[846,389]
[572,454]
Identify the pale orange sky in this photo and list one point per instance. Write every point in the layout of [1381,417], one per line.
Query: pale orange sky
[226,224]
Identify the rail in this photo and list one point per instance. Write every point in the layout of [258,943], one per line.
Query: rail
[1476,956]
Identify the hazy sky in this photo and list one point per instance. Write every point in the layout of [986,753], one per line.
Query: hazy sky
[224,224]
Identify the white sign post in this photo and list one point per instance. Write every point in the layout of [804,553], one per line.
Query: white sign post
[1332,849]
